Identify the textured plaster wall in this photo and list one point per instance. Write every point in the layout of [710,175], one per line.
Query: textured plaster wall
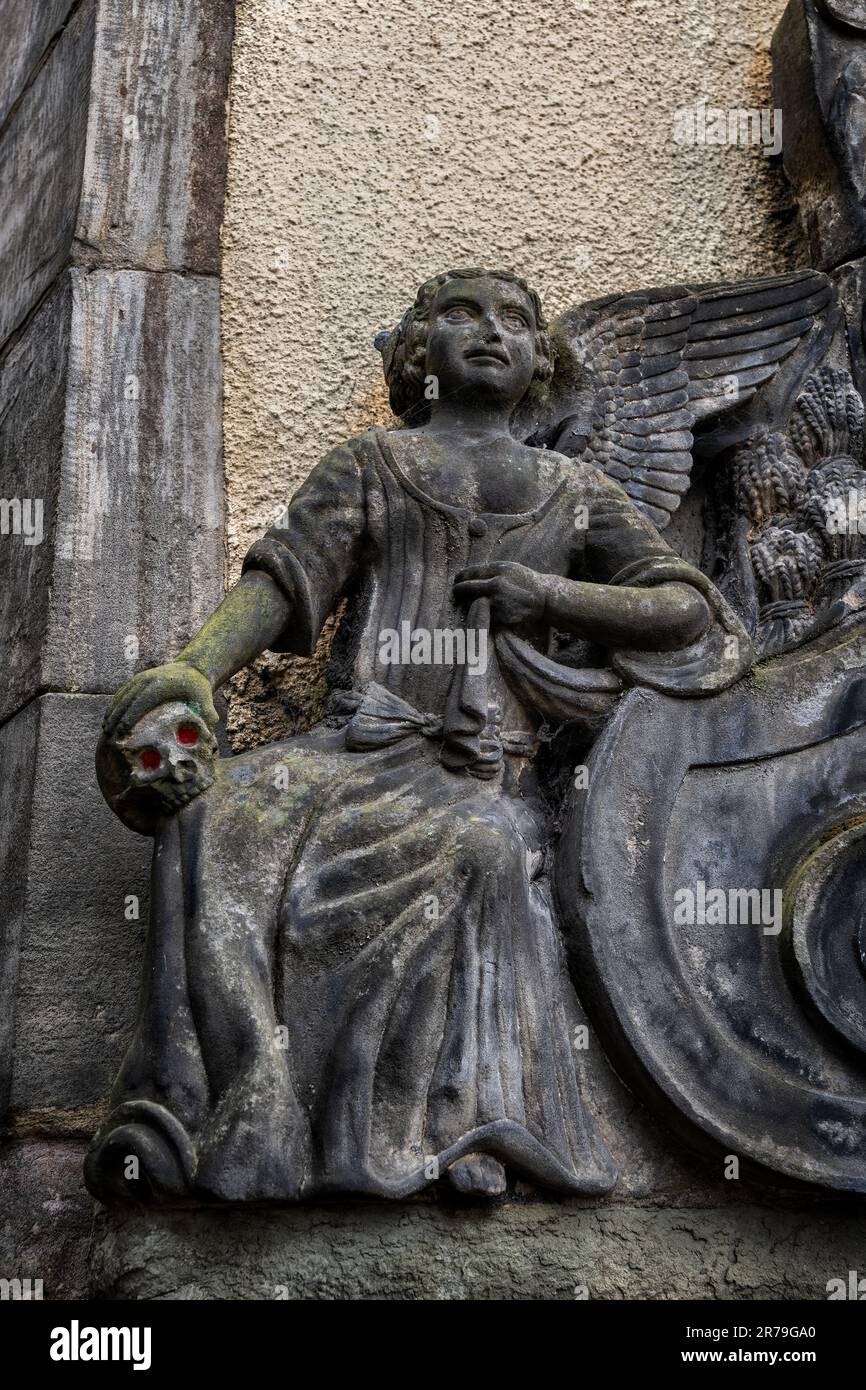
[376,142]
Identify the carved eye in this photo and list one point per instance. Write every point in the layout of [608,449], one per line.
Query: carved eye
[150,759]
[187,734]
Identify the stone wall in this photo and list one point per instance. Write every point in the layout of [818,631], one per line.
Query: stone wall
[112,151]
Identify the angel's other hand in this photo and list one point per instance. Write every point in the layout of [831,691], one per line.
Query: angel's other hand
[517,594]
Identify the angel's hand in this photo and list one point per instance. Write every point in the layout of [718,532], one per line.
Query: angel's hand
[517,594]
[159,686]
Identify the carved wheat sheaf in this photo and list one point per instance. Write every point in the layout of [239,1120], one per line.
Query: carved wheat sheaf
[827,420]
[794,492]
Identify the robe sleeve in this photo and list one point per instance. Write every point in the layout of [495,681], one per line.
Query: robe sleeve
[313,553]
[624,548]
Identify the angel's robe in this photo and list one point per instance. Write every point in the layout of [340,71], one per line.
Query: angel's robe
[354,970]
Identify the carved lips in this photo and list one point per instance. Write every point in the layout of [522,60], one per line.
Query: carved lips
[488,354]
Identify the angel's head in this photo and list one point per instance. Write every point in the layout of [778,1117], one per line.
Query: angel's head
[477,331]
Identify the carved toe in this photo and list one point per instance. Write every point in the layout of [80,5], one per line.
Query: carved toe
[478,1175]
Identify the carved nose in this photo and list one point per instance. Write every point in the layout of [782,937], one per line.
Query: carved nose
[490,329]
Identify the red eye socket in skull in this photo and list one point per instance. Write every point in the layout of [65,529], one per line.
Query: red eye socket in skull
[150,759]
[187,734]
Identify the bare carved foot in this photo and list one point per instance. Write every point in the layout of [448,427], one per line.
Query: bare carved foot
[478,1175]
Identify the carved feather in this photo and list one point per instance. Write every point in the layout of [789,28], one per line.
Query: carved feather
[636,373]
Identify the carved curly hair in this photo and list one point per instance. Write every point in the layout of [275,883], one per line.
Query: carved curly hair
[404,349]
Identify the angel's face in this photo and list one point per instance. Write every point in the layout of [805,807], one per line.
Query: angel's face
[481,340]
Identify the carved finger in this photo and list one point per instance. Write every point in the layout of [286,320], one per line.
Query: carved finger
[474,572]
[119,704]
[490,571]
[470,589]
[209,713]
[145,701]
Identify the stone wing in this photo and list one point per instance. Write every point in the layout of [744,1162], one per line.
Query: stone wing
[635,373]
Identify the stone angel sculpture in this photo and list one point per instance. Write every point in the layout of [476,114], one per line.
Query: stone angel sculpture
[355,980]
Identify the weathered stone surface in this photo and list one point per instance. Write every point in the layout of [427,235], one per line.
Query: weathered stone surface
[820,87]
[710,1017]
[848,12]
[124,446]
[42,156]
[71,957]
[17,764]
[423,1251]
[46,1217]
[32,422]
[851,287]
[652,1163]
[154,178]
[141,474]
[27,30]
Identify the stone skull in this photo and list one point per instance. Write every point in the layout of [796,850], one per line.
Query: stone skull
[172,751]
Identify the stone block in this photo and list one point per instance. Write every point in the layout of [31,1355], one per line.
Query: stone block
[71,956]
[32,422]
[521,1251]
[46,1217]
[110,411]
[18,742]
[42,157]
[27,30]
[155,174]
